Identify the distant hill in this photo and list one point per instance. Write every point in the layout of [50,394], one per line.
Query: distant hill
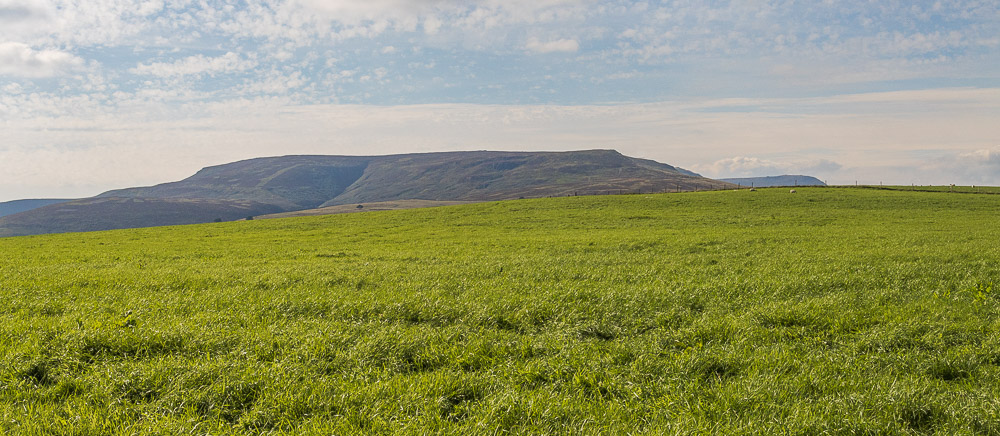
[786,180]
[18,206]
[295,183]
[302,182]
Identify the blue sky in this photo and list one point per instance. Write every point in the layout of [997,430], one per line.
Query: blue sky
[102,94]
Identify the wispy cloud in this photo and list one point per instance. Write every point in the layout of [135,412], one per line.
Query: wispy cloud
[564,45]
[769,46]
[196,65]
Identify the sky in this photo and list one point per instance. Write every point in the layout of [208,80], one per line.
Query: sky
[104,94]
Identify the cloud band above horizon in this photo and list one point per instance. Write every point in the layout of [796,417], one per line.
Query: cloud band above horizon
[884,137]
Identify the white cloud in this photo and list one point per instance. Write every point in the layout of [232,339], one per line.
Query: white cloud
[432,25]
[273,83]
[20,19]
[13,88]
[746,166]
[564,45]
[989,157]
[20,60]
[149,7]
[805,43]
[16,12]
[742,166]
[976,166]
[88,23]
[196,65]
[484,22]
[962,167]
[358,11]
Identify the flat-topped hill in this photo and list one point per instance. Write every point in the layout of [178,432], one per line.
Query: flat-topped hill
[295,183]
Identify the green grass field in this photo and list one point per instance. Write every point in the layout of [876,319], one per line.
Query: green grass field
[829,311]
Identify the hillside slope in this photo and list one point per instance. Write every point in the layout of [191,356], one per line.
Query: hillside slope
[18,206]
[295,183]
[111,213]
[289,182]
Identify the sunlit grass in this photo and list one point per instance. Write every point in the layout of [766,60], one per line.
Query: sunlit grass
[825,311]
